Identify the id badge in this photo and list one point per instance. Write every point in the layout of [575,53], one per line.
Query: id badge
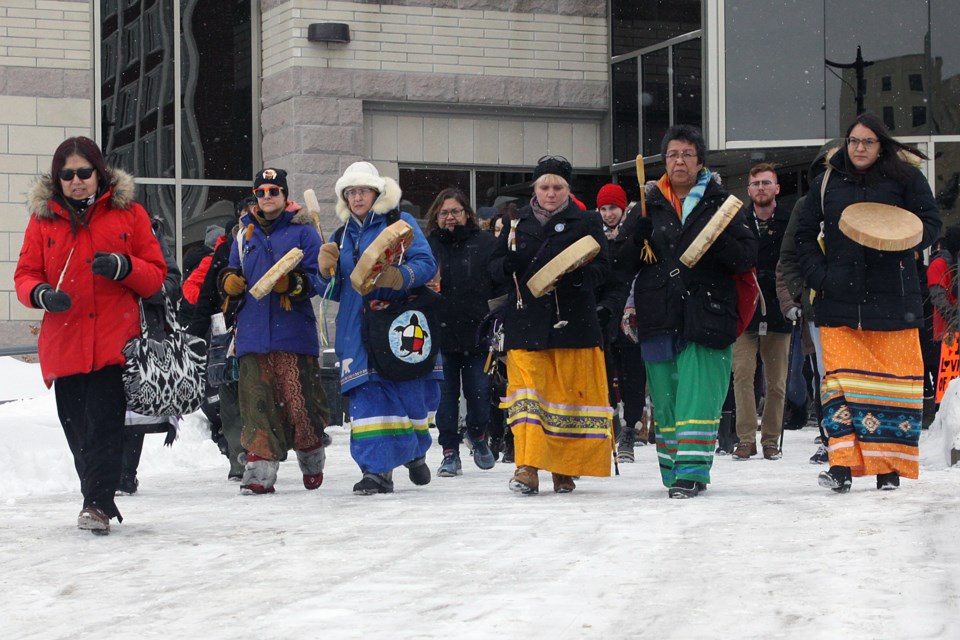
[763,329]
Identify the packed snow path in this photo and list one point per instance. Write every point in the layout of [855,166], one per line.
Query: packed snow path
[765,553]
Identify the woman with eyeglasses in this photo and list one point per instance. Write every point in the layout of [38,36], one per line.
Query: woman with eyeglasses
[556,403]
[88,256]
[462,252]
[389,418]
[869,308]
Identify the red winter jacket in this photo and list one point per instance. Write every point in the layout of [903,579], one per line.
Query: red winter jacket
[105,314]
[194,282]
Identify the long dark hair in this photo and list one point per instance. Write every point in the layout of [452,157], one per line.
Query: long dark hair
[442,197]
[86,149]
[889,163]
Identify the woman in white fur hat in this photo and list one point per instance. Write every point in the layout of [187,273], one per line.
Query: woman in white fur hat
[389,419]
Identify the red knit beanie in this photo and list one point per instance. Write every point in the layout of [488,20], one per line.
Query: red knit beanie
[612,194]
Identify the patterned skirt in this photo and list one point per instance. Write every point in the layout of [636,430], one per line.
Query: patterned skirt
[872,397]
[558,409]
[389,422]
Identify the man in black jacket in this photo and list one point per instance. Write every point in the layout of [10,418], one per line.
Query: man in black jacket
[767,334]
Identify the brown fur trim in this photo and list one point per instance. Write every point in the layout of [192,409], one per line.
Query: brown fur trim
[38,197]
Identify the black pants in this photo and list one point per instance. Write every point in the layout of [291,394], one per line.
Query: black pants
[91,409]
[625,366]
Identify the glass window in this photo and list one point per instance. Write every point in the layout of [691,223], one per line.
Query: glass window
[655,98]
[888,47]
[947,182]
[886,84]
[216,83]
[944,79]
[421,186]
[637,24]
[626,111]
[687,84]
[919,116]
[888,118]
[774,70]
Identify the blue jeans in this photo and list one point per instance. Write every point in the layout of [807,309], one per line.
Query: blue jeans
[476,390]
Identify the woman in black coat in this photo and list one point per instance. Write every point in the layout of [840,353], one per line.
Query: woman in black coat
[556,402]
[869,307]
[462,252]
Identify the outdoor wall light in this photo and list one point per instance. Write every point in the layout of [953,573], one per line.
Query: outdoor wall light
[328,32]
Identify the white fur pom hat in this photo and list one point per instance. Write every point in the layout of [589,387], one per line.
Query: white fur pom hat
[360,174]
[364,174]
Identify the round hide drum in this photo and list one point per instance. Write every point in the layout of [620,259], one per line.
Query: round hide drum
[711,231]
[545,279]
[386,250]
[881,226]
[284,265]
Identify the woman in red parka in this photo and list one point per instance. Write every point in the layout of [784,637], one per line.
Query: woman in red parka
[88,256]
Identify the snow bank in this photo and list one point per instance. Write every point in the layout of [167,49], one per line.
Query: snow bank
[944,433]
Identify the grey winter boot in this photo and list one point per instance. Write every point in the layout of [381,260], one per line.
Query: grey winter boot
[628,436]
[373,483]
[259,475]
[311,466]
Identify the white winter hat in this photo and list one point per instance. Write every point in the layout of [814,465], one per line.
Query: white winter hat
[359,174]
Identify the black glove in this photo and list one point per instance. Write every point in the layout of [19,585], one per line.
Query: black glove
[603,316]
[44,297]
[511,262]
[644,231]
[115,266]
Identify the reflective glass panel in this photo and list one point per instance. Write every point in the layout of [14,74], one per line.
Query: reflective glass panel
[626,111]
[945,71]
[774,69]
[655,98]
[893,48]
[637,24]
[204,206]
[947,182]
[421,186]
[137,95]
[687,84]
[215,70]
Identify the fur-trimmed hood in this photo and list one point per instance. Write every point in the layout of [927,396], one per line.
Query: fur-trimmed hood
[41,192]
[301,215]
[388,200]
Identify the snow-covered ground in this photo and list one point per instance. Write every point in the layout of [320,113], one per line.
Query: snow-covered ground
[765,553]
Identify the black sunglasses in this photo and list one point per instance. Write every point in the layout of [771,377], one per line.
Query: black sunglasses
[67,174]
[272,192]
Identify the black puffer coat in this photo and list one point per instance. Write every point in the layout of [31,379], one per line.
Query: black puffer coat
[463,256]
[672,299]
[532,327]
[859,287]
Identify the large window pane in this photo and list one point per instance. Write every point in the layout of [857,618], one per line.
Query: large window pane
[216,83]
[947,182]
[626,111]
[208,206]
[637,24]
[891,47]
[687,84]
[655,98]
[775,70]
[945,72]
[421,186]
[137,87]
[159,201]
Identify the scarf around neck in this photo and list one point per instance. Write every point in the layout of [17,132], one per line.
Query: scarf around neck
[684,207]
[543,216]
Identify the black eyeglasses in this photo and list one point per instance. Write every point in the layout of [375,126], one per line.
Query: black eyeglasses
[67,174]
[272,192]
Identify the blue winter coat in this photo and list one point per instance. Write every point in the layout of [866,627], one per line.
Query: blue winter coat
[417,269]
[263,326]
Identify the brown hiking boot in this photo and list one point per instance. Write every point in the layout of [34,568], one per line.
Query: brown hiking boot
[563,484]
[744,450]
[771,452]
[525,480]
[93,519]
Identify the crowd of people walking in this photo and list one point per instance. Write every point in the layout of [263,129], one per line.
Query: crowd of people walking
[570,336]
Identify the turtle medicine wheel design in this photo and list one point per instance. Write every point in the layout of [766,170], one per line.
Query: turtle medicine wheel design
[410,338]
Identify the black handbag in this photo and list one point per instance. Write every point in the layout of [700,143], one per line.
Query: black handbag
[164,377]
[402,337]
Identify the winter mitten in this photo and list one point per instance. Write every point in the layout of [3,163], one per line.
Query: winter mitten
[644,231]
[233,285]
[603,316]
[329,256]
[390,278]
[115,266]
[46,298]
[628,324]
[793,314]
